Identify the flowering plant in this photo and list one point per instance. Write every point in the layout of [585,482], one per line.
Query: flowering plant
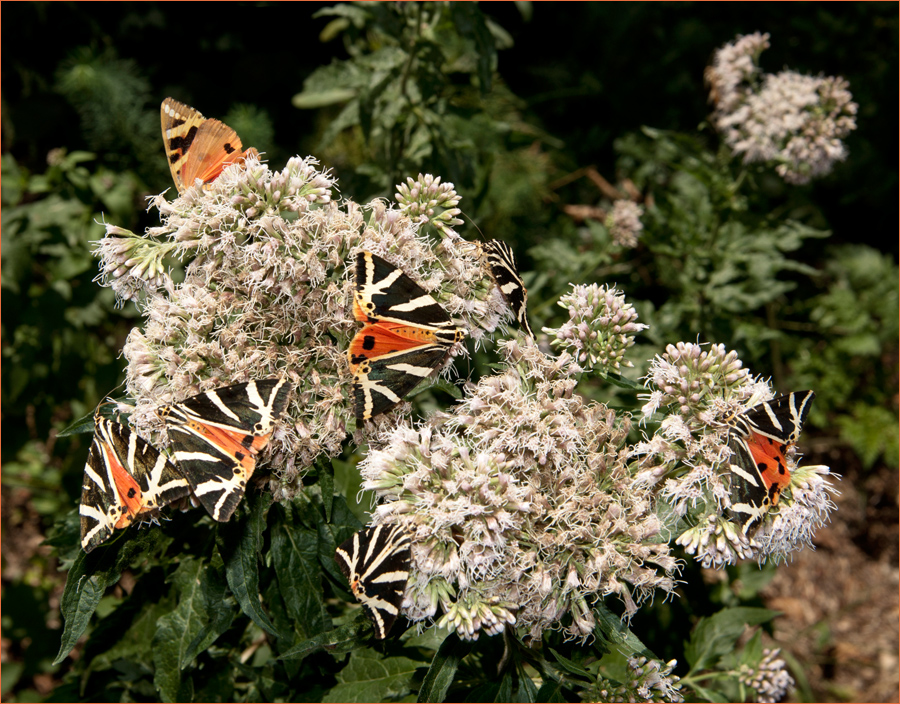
[526,504]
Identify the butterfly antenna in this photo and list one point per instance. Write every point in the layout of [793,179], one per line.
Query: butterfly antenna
[473,224]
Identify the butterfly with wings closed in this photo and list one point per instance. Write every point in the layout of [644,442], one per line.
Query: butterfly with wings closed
[198,147]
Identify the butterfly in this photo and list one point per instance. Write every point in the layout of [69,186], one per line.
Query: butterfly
[406,336]
[375,561]
[126,479]
[197,147]
[216,436]
[502,264]
[759,440]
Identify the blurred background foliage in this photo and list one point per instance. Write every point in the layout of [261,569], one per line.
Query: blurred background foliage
[538,114]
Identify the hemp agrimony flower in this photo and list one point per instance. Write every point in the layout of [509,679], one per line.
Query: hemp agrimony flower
[794,121]
[521,505]
[770,679]
[624,222]
[600,328]
[267,291]
[418,199]
[700,390]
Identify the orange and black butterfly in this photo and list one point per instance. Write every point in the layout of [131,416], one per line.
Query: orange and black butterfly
[197,147]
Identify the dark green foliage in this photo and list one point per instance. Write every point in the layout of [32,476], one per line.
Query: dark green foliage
[509,107]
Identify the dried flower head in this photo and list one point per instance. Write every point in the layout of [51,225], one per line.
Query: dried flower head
[794,121]
[600,328]
[267,291]
[521,505]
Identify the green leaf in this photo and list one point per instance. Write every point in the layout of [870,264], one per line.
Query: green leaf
[310,100]
[443,668]
[177,630]
[340,640]
[504,694]
[709,695]
[716,635]
[623,382]
[326,482]
[344,524]
[569,665]
[220,612]
[91,574]
[295,559]
[469,21]
[371,677]
[239,545]
[550,691]
[528,692]
[610,628]
[84,424]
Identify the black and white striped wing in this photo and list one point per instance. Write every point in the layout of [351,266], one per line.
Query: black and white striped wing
[502,264]
[215,437]
[126,479]
[375,562]
[406,338]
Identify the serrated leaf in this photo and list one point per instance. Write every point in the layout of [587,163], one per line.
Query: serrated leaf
[504,694]
[295,559]
[569,665]
[90,575]
[715,635]
[85,424]
[126,635]
[238,543]
[177,629]
[443,669]
[709,695]
[623,382]
[550,692]
[371,677]
[326,482]
[343,524]
[528,692]
[220,612]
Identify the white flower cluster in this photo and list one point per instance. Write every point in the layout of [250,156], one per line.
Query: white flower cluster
[648,681]
[796,122]
[268,291]
[624,222]
[600,328]
[521,506]
[769,679]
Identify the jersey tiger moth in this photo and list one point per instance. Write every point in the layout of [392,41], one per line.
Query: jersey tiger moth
[216,436]
[126,479]
[407,336]
[759,439]
[375,562]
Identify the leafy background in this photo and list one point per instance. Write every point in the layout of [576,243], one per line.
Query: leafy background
[524,107]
